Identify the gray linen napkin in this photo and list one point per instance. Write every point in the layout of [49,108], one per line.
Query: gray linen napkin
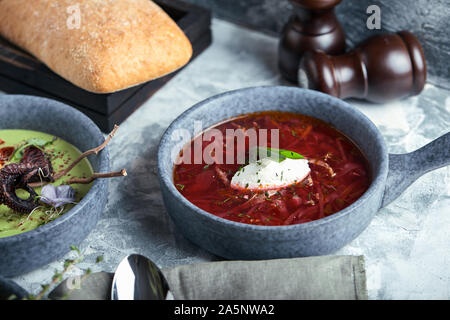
[311,278]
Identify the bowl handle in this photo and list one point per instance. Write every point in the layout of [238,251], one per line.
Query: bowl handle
[406,168]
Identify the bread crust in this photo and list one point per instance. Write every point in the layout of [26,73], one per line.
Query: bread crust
[115,44]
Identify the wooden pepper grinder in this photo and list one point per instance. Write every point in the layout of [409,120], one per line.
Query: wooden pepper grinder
[382,68]
[312,26]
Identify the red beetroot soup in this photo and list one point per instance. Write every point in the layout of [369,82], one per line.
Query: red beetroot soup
[339,173]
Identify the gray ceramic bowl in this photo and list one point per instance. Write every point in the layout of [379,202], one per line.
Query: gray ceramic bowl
[30,250]
[391,175]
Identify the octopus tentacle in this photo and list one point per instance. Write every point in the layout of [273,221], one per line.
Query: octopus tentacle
[34,157]
[33,167]
[11,179]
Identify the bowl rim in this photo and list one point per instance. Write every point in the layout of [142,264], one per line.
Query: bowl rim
[377,182]
[96,185]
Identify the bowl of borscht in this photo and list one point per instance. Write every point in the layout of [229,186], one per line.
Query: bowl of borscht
[278,172]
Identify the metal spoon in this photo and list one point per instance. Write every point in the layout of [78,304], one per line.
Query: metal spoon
[138,278]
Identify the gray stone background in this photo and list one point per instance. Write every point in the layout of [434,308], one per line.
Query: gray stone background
[429,20]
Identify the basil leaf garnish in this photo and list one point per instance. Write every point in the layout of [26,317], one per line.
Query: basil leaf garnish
[278,154]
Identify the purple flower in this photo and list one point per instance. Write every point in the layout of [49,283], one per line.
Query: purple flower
[57,196]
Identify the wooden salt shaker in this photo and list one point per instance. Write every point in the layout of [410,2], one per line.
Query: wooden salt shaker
[312,26]
[382,68]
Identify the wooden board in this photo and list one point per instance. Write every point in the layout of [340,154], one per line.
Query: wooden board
[21,73]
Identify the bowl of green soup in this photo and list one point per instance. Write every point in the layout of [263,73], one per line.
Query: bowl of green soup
[37,228]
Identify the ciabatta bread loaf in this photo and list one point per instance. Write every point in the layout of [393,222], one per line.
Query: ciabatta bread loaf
[99,45]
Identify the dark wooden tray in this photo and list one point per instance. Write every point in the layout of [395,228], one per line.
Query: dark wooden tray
[21,73]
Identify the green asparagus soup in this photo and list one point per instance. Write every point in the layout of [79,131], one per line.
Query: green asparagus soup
[61,154]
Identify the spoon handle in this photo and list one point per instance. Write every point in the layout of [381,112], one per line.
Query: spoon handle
[406,168]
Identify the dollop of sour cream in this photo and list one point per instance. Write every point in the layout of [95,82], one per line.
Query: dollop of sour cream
[269,174]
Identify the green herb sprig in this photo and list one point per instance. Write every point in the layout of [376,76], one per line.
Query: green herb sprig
[58,276]
[278,154]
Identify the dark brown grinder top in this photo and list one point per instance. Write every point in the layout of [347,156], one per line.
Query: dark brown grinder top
[382,68]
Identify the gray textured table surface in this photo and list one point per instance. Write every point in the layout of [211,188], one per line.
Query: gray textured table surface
[407,245]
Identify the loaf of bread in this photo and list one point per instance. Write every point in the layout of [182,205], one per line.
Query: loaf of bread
[99,45]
